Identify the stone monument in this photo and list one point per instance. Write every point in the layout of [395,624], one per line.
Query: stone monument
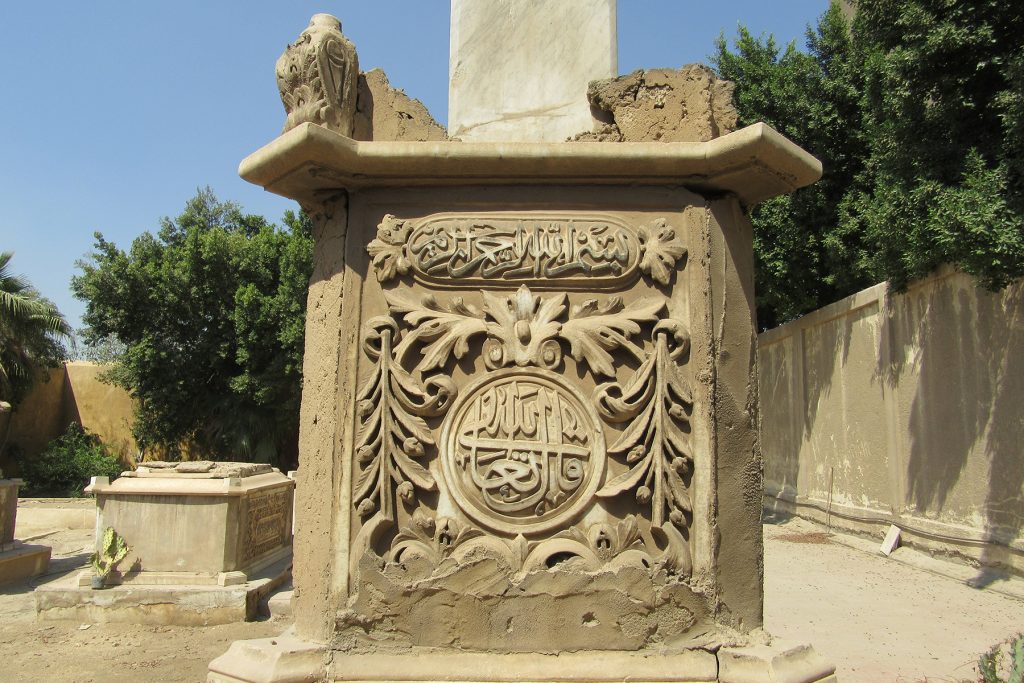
[207,541]
[17,560]
[528,445]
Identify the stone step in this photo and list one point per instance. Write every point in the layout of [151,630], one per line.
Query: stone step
[279,604]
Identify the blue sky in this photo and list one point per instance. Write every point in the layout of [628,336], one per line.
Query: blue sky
[115,112]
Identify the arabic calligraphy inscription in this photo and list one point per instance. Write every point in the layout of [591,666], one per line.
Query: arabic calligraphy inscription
[492,249]
[523,451]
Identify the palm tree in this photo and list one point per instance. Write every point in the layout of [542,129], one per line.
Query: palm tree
[32,334]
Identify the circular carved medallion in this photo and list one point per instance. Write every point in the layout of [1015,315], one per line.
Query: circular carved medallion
[522,451]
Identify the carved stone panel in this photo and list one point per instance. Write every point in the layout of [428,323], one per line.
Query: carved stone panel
[522,451]
[267,526]
[523,397]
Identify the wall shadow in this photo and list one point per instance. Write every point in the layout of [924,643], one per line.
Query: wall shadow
[816,348]
[967,350]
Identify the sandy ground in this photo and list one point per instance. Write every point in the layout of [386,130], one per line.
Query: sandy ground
[70,652]
[878,619]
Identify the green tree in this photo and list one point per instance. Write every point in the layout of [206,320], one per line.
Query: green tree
[32,333]
[917,113]
[943,115]
[805,257]
[211,315]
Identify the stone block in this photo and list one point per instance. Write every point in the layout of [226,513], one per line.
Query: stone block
[17,560]
[779,662]
[285,659]
[279,605]
[529,425]
[21,561]
[519,69]
[8,509]
[172,603]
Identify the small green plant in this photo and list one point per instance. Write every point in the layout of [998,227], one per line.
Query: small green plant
[63,469]
[112,551]
[992,666]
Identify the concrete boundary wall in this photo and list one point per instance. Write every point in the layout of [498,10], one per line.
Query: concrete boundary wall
[72,393]
[912,406]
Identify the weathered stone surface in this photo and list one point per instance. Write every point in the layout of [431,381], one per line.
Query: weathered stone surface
[384,113]
[662,105]
[519,68]
[779,662]
[8,510]
[467,605]
[205,469]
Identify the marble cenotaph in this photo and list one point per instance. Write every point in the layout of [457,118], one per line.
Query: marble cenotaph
[208,540]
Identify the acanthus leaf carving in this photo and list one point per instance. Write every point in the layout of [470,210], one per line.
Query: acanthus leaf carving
[593,331]
[525,327]
[660,248]
[655,404]
[392,433]
[444,331]
[425,543]
[430,538]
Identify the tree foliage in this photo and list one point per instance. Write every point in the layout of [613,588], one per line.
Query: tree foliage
[211,313]
[32,333]
[917,113]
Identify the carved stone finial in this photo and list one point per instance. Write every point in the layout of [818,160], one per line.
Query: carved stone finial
[317,76]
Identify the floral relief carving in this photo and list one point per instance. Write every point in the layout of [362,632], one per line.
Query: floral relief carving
[654,405]
[523,329]
[387,250]
[429,538]
[427,543]
[594,330]
[660,249]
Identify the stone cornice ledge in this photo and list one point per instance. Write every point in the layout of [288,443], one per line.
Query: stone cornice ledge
[754,163]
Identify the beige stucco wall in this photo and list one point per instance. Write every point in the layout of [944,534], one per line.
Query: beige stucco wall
[73,393]
[103,409]
[911,403]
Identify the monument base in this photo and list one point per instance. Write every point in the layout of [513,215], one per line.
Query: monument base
[287,659]
[21,561]
[174,604]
